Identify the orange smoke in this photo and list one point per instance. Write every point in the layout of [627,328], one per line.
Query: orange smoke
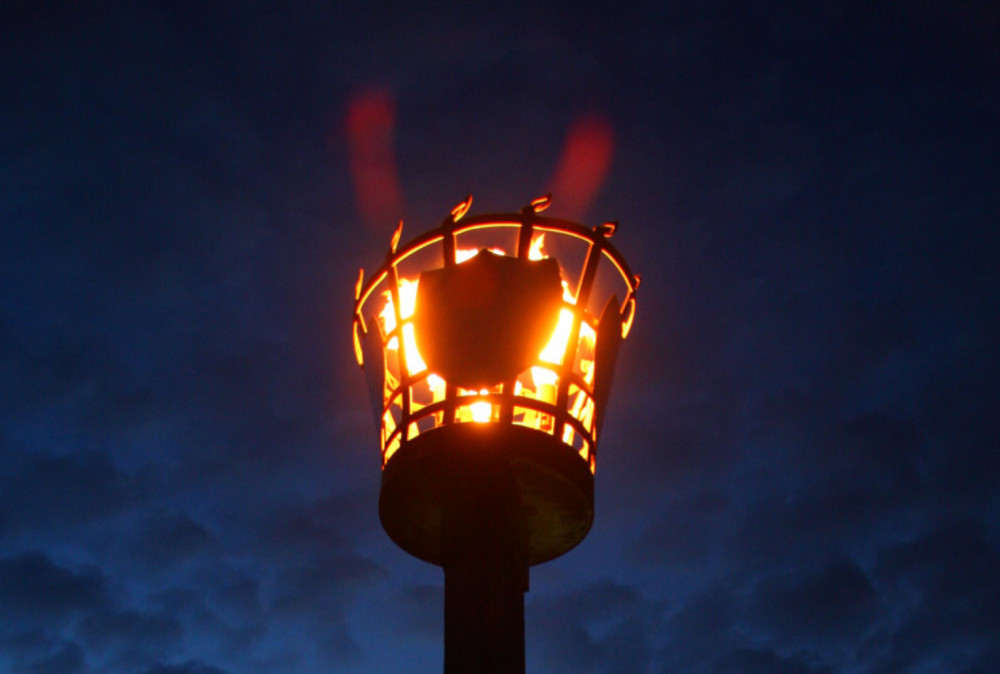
[370,123]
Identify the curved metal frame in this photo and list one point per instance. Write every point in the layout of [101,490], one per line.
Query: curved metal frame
[403,417]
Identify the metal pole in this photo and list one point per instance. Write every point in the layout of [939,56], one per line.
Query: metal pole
[485,571]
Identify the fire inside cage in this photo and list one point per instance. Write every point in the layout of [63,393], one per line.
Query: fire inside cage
[480,318]
[504,326]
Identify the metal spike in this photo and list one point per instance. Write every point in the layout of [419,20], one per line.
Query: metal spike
[395,237]
[541,203]
[461,209]
[607,229]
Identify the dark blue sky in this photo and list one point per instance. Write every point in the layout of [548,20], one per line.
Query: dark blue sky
[799,473]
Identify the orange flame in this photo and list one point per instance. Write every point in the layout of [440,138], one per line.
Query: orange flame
[543,380]
[556,348]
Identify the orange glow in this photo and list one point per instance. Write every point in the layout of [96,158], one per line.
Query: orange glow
[584,164]
[370,126]
[515,350]
[463,254]
[481,411]
[407,300]
[554,351]
[543,380]
[414,363]
[535,249]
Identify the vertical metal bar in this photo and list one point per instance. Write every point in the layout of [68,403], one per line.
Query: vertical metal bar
[485,569]
[573,342]
[448,255]
[523,250]
[404,369]
[526,232]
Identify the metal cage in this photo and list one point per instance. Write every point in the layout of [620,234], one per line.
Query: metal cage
[555,405]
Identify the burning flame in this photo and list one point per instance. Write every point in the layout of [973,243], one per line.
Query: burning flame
[481,411]
[542,382]
[556,348]
[407,301]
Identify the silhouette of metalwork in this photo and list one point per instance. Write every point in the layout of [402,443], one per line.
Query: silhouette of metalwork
[489,374]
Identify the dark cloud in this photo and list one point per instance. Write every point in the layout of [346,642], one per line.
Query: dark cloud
[50,493]
[69,659]
[189,667]
[836,605]
[168,539]
[131,637]
[686,530]
[420,611]
[602,628]
[700,630]
[323,581]
[36,590]
[751,661]
[844,491]
[950,575]
[234,594]
[234,626]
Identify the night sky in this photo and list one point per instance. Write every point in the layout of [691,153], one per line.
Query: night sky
[799,472]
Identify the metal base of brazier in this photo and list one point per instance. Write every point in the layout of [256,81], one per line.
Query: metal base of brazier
[485,504]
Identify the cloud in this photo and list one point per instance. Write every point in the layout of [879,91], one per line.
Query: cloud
[835,606]
[685,531]
[755,661]
[323,583]
[700,630]
[222,613]
[35,590]
[777,627]
[590,630]
[69,659]
[131,637]
[167,539]
[188,667]
[46,493]
[945,584]
[420,611]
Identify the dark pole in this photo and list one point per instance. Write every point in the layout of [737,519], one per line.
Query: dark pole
[485,570]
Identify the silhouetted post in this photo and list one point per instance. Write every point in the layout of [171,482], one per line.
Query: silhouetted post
[485,572]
